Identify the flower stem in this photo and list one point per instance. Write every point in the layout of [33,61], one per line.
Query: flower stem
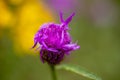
[53,72]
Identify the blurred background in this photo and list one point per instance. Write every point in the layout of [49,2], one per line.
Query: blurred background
[96,28]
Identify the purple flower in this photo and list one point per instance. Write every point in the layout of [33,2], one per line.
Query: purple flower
[55,41]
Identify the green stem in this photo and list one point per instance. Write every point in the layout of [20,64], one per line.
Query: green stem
[53,72]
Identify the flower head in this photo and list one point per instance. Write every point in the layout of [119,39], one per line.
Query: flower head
[55,41]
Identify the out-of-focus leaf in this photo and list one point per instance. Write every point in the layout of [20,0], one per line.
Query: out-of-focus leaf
[79,70]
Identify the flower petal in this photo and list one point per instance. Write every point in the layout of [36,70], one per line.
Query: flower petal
[69,19]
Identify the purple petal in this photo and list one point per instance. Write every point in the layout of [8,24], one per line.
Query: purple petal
[69,19]
[61,17]
[44,45]
[52,49]
[71,47]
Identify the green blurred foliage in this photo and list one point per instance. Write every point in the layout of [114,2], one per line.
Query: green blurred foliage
[99,53]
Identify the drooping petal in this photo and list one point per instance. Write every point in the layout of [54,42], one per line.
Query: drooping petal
[71,47]
[34,44]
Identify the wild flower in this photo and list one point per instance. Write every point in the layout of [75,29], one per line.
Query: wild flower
[55,41]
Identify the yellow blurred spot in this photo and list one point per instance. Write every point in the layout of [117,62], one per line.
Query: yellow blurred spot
[5,15]
[15,2]
[30,16]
